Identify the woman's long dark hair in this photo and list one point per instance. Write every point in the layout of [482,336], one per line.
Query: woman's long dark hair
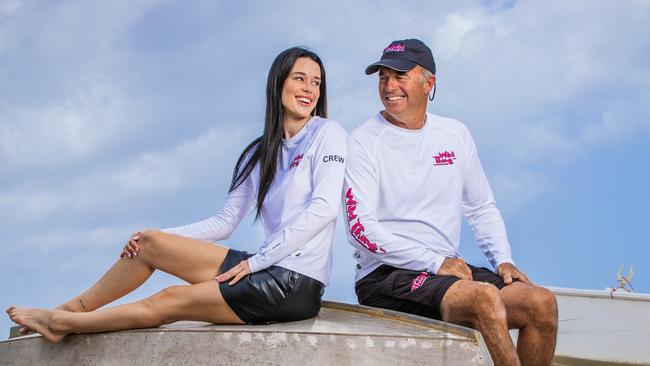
[266,147]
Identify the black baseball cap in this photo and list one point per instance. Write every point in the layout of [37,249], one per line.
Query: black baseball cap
[403,55]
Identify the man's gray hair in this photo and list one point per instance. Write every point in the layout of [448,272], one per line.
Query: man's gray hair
[425,75]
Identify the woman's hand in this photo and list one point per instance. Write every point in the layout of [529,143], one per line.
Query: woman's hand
[131,248]
[238,272]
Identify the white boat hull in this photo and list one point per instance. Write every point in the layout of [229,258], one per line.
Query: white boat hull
[603,326]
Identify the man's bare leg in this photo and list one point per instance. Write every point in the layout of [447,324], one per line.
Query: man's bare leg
[532,310]
[202,302]
[479,306]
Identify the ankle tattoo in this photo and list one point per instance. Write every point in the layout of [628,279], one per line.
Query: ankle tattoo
[82,304]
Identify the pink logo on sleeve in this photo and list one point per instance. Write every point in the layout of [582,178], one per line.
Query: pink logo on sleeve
[445,158]
[419,281]
[295,161]
[356,228]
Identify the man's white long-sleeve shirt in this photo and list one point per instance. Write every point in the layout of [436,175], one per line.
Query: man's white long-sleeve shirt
[300,208]
[405,192]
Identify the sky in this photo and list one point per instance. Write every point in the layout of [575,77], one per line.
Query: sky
[117,116]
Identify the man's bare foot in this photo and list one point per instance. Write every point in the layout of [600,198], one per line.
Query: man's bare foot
[38,320]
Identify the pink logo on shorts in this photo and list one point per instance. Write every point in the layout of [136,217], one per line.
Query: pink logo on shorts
[419,281]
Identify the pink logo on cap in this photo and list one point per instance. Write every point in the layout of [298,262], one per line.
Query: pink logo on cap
[395,48]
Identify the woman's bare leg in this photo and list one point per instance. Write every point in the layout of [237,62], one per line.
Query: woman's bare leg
[194,261]
[202,302]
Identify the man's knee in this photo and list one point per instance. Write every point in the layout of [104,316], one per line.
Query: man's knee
[488,303]
[473,303]
[544,307]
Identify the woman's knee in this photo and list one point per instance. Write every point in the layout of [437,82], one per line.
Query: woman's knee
[164,305]
[150,240]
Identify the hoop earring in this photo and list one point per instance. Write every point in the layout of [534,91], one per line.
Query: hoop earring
[431,96]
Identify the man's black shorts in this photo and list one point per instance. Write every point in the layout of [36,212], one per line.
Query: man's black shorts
[274,294]
[413,292]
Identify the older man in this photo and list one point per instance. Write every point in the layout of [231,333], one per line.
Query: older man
[409,176]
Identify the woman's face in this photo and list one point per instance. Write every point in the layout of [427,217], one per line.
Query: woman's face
[301,89]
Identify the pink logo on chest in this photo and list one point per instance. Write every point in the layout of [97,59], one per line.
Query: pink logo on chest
[445,158]
[295,161]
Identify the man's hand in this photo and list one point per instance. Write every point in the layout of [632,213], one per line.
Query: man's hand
[238,272]
[510,273]
[455,267]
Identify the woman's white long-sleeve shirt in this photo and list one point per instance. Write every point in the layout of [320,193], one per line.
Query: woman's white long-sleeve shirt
[299,211]
[404,193]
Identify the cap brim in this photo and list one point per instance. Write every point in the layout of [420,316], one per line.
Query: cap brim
[400,65]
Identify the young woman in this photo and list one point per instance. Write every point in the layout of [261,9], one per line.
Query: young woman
[292,175]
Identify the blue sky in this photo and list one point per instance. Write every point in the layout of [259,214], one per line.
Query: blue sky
[119,116]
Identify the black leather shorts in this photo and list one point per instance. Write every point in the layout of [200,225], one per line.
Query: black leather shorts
[271,295]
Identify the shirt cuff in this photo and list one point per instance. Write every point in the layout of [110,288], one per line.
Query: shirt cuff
[254,263]
[437,263]
[500,261]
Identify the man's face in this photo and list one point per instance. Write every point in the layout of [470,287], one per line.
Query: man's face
[403,94]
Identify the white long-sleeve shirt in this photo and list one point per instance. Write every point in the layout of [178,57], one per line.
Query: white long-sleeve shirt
[300,208]
[405,191]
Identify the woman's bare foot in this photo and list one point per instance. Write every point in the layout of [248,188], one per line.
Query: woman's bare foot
[72,306]
[38,320]
[75,305]
[25,331]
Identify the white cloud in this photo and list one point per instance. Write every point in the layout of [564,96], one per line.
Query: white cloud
[536,93]
[62,131]
[29,205]
[10,7]
[518,187]
[618,123]
[73,239]
[192,160]
[151,179]
[450,36]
